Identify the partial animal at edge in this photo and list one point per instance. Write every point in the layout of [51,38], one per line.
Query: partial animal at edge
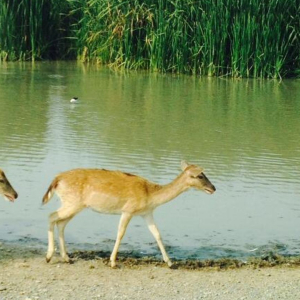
[6,189]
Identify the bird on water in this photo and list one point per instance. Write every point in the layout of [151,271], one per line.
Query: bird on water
[74,100]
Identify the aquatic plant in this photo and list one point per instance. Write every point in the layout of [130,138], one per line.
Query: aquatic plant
[32,29]
[238,38]
[241,38]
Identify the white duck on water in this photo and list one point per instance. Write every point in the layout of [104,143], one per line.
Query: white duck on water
[74,100]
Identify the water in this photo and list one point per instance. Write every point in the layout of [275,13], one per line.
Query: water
[245,133]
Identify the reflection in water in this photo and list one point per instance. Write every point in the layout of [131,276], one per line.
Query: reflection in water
[243,132]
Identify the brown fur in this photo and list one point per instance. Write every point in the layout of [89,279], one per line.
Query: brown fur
[131,190]
[6,188]
[50,191]
[115,192]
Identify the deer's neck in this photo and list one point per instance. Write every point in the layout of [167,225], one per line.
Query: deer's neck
[168,192]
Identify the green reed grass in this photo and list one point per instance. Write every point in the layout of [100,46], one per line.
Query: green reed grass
[32,29]
[238,38]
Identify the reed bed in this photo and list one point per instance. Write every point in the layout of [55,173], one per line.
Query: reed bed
[33,29]
[238,38]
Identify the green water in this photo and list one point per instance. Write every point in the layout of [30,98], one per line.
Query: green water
[245,133]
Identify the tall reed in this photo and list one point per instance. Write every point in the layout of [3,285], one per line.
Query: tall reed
[32,29]
[239,38]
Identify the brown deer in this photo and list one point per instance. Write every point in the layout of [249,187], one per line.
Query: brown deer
[115,192]
[6,189]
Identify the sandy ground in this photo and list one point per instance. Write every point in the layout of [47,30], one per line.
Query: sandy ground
[24,274]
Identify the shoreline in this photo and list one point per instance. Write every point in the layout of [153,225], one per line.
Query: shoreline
[12,251]
[24,274]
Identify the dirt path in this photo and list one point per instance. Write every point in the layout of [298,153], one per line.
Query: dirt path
[25,275]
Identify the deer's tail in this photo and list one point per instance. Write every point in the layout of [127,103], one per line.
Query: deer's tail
[50,191]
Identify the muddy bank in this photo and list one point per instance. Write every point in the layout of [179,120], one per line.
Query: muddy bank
[13,251]
[25,275]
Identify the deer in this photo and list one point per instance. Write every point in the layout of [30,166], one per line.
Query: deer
[6,189]
[116,192]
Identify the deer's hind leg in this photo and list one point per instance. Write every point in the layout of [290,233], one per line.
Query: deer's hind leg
[60,218]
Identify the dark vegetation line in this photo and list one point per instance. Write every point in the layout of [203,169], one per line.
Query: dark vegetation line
[238,38]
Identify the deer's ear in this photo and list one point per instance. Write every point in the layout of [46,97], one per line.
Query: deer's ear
[184,165]
[195,171]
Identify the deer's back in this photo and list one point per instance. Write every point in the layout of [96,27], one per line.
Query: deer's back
[105,191]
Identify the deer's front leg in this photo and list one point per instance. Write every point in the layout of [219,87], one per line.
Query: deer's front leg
[124,220]
[153,229]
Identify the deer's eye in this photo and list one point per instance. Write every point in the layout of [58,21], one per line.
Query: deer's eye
[200,176]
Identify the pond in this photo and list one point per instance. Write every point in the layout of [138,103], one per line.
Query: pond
[244,133]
